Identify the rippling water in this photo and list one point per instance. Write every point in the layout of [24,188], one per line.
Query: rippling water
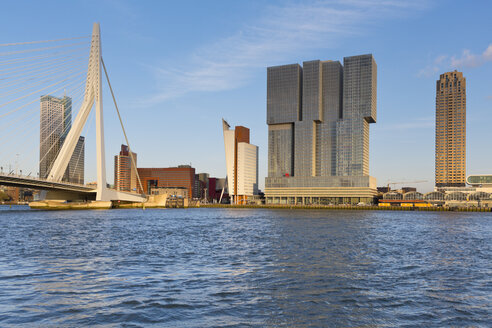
[235,268]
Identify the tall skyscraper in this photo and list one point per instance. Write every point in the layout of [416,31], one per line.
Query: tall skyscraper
[55,123]
[318,120]
[451,130]
[241,163]
[125,177]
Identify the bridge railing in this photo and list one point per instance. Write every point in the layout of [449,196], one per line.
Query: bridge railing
[31,177]
[34,178]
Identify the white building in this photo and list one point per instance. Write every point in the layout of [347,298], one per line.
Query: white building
[241,163]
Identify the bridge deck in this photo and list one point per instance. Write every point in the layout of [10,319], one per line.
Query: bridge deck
[41,184]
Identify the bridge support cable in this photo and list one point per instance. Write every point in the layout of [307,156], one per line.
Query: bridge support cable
[35,109]
[29,79]
[28,72]
[23,121]
[44,41]
[25,118]
[25,76]
[26,87]
[19,52]
[28,130]
[16,61]
[37,99]
[9,123]
[35,152]
[39,91]
[66,129]
[122,126]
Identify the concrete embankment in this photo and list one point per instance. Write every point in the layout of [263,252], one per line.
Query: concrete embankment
[355,208]
[157,201]
[55,205]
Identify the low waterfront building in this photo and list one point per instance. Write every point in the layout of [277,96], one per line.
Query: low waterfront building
[478,194]
[216,189]
[178,192]
[201,186]
[16,194]
[181,176]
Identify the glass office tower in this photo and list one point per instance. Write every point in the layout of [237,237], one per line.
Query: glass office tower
[55,123]
[318,119]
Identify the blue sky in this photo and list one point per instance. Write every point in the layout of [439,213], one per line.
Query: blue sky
[178,67]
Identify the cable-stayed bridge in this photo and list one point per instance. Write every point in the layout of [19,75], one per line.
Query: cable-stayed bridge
[31,71]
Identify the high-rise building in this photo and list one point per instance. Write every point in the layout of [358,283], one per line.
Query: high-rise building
[125,177]
[318,118]
[241,163]
[55,123]
[451,130]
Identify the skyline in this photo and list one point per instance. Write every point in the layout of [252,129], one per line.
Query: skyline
[220,71]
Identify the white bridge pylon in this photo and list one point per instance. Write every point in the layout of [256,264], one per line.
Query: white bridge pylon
[93,94]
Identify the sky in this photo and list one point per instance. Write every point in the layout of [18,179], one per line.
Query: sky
[179,67]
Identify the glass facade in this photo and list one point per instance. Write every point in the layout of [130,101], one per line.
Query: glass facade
[55,123]
[479,180]
[318,121]
[359,109]
[284,94]
[281,145]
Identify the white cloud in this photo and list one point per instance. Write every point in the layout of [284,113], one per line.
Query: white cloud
[431,70]
[466,60]
[276,35]
[487,54]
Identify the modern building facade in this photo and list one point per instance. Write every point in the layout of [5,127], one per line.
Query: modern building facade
[241,163]
[201,186]
[76,164]
[181,176]
[55,123]
[125,177]
[215,188]
[450,130]
[318,118]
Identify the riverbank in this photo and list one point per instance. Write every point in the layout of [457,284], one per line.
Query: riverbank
[108,205]
[355,208]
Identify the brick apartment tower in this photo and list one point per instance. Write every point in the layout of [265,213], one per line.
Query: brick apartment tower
[451,130]
[125,178]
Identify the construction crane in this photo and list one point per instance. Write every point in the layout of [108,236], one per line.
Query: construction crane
[394,183]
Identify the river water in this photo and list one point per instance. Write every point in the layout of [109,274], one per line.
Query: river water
[244,268]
